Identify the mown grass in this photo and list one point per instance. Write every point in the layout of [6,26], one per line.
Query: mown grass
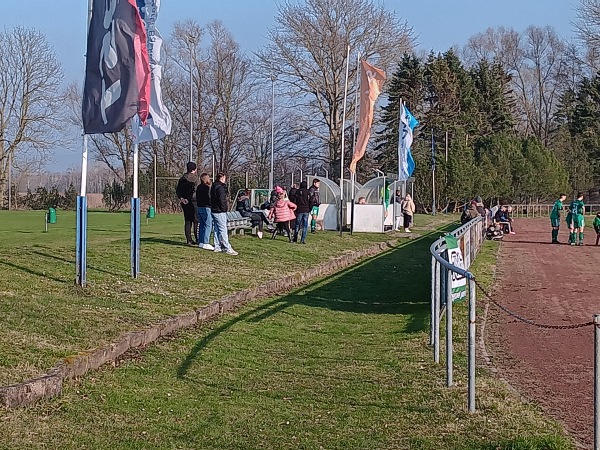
[44,317]
[340,364]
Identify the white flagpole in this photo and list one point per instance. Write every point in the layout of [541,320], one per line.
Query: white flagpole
[343,142]
[136,160]
[353,175]
[135,216]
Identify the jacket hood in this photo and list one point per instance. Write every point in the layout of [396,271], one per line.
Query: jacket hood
[191,177]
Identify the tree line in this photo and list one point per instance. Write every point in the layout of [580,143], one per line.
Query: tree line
[513,115]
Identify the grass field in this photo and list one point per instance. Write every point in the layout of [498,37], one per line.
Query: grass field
[340,364]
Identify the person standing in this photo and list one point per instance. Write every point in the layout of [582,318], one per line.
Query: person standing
[575,220]
[186,192]
[397,202]
[204,212]
[219,207]
[555,217]
[408,211]
[302,201]
[315,202]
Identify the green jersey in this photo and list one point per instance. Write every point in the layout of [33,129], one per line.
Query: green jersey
[577,207]
[556,210]
[597,222]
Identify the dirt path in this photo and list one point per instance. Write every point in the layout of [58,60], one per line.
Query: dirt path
[550,284]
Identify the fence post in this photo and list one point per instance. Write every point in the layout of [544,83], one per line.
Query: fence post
[438,299]
[432,309]
[472,331]
[596,382]
[449,328]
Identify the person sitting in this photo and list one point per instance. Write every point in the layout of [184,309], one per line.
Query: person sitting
[243,207]
[503,218]
[470,213]
[282,211]
[362,201]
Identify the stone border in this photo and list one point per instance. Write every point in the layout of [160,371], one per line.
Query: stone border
[51,384]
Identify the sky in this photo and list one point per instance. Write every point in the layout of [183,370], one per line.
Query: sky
[438,25]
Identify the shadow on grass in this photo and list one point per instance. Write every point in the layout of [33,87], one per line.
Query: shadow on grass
[33,272]
[153,240]
[71,261]
[395,282]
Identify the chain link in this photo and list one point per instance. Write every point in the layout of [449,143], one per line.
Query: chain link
[528,321]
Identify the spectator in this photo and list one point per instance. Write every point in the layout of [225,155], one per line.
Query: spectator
[397,200]
[302,201]
[502,217]
[362,201]
[292,197]
[245,209]
[186,192]
[470,213]
[408,211]
[315,202]
[480,207]
[204,212]
[283,212]
[218,202]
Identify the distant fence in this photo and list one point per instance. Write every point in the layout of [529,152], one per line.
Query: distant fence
[543,209]
[470,238]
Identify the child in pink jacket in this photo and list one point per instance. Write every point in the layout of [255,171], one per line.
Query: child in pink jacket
[283,211]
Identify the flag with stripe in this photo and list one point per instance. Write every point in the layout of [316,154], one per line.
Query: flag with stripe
[406,162]
[159,119]
[117,71]
[371,83]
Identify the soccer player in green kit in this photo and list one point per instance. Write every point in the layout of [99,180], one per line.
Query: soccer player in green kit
[575,220]
[555,217]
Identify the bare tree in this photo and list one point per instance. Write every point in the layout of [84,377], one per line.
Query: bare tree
[30,101]
[307,53]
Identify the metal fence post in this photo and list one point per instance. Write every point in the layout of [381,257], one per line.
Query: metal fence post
[596,382]
[438,299]
[472,331]
[432,309]
[449,328]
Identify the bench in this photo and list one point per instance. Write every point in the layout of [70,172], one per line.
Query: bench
[236,223]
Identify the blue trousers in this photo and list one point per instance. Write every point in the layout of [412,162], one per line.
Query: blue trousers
[301,221]
[204,225]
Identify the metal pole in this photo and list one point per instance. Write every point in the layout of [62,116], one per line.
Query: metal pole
[271,181]
[191,40]
[9,180]
[343,143]
[449,348]
[472,331]
[432,319]
[213,166]
[246,179]
[292,183]
[433,208]
[596,382]
[155,194]
[438,298]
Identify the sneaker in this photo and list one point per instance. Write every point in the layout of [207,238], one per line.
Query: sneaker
[207,247]
[259,234]
[216,250]
[232,252]
[512,232]
[572,243]
[581,243]
[406,230]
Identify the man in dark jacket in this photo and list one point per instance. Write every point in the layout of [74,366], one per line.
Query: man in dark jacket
[186,192]
[302,201]
[218,206]
[243,206]
[470,213]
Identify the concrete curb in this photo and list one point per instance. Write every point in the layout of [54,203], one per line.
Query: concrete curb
[50,385]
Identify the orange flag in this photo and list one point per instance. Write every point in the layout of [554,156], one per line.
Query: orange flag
[371,82]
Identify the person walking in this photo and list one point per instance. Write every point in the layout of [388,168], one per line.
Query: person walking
[315,202]
[408,211]
[219,207]
[283,212]
[186,193]
[204,212]
[302,201]
[557,209]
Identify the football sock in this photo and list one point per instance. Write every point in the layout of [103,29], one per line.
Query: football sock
[581,236]
[554,235]
[572,237]
[313,224]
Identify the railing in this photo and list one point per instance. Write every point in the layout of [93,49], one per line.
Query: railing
[470,238]
[543,209]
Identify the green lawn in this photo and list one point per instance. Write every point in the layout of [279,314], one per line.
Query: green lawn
[340,364]
[44,317]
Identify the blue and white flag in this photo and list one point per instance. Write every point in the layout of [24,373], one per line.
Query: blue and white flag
[406,163]
[159,120]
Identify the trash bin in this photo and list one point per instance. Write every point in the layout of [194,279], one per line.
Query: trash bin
[51,215]
[150,214]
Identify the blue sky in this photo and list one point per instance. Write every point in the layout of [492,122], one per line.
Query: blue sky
[439,24]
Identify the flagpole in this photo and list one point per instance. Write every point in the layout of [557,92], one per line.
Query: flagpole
[135,217]
[433,208]
[353,174]
[343,143]
[81,205]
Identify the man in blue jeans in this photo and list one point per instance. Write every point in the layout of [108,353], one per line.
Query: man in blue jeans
[218,204]
[204,212]
[302,201]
